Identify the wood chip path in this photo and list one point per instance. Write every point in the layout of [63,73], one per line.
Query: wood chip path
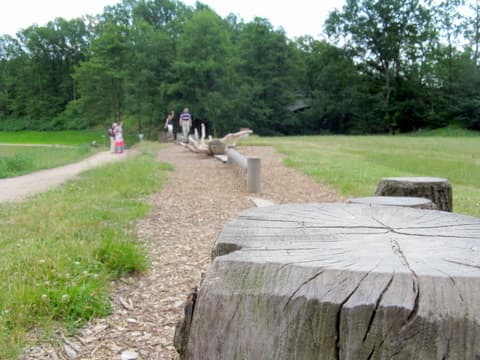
[201,195]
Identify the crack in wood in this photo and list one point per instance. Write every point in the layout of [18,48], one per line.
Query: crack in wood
[338,317]
[440,226]
[396,231]
[397,250]
[377,304]
[253,249]
[436,235]
[303,262]
[474,266]
[447,351]
[454,283]
[371,353]
[302,285]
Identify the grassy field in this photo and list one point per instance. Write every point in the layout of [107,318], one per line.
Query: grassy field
[19,160]
[72,138]
[67,147]
[355,164]
[61,249]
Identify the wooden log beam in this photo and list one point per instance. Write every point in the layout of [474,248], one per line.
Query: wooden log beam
[438,190]
[341,281]
[234,157]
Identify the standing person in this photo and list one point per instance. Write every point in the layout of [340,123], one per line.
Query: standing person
[111,134]
[169,124]
[185,121]
[119,144]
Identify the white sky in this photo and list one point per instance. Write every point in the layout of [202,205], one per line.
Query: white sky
[299,17]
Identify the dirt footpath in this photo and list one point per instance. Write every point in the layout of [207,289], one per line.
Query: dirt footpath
[201,195]
[21,187]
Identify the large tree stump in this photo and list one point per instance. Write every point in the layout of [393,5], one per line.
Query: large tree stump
[414,202]
[341,281]
[438,190]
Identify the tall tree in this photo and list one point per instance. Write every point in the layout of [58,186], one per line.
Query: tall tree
[335,89]
[202,72]
[101,78]
[387,38]
[151,56]
[38,74]
[267,76]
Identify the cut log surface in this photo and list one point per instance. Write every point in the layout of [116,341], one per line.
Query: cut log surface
[438,190]
[341,281]
[414,202]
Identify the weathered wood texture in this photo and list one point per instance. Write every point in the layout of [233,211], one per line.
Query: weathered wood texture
[216,147]
[438,190]
[413,202]
[253,167]
[341,281]
[254,179]
[181,138]
[182,328]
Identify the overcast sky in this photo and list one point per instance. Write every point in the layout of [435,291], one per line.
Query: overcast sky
[299,17]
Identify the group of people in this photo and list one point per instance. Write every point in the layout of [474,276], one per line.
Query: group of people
[115,132]
[184,121]
[117,145]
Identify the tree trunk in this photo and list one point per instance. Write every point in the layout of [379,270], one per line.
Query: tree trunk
[341,281]
[436,189]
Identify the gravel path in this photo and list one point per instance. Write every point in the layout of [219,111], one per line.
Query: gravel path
[201,195]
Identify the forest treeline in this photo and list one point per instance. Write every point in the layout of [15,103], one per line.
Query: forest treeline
[382,66]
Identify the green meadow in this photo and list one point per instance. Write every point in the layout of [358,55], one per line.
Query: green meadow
[61,249]
[355,164]
[71,138]
[28,151]
[19,160]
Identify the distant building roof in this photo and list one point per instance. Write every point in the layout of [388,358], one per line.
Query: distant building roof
[300,104]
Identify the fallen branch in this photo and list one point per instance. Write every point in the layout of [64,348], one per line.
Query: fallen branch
[237,136]
[203,146]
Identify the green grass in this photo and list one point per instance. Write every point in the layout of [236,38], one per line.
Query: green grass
[61,249]
[72,138]
[19,160]
[449,131]
[355,164]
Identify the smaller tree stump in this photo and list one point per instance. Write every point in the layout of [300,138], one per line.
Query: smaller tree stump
[438,190]
[413,202]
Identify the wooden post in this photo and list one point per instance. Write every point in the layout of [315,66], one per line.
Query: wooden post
[340,281]
[252,165]
[436,189]
[253,175]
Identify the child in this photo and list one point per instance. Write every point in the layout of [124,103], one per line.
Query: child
[119,144]
[169,124]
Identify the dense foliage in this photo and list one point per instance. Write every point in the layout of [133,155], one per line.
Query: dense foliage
[387,66]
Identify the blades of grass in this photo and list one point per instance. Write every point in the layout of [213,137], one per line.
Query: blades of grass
[61,249]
